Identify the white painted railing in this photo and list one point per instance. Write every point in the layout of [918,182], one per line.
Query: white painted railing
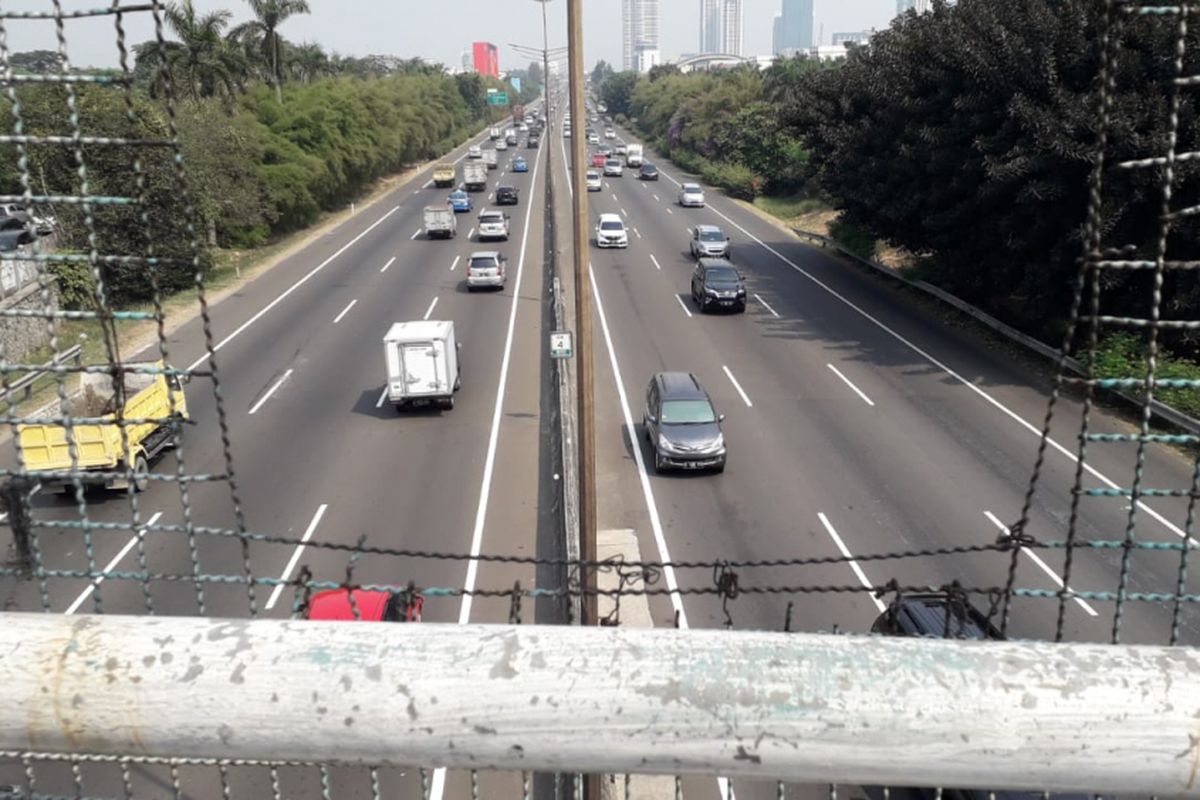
[795,707]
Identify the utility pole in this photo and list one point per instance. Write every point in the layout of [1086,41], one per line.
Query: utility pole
[583,319]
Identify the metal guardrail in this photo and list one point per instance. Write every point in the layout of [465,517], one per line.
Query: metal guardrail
[25,383]
[1161,410]
[758,705]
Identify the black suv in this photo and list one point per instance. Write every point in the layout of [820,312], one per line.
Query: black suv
[683,427]
[717,284]
[506,196]
[648,172]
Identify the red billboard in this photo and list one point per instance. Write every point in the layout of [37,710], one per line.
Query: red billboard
[487,59]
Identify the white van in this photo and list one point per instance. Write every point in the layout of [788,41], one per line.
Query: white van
[422,363]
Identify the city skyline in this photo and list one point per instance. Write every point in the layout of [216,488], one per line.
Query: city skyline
[721,26]
[796,29]
[337,27]
[640,23]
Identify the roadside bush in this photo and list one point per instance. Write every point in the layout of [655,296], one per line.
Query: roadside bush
[1123,355]
[736,180]
[853,237]
[74,281]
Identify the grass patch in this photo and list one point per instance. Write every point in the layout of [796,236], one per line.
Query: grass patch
[790,206]
[1123,355]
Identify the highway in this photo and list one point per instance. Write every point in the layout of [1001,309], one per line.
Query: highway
[320,461]
[858,424]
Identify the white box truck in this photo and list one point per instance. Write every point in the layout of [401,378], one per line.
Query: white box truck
[440,222]
[422,363]
[475,175]
[491,158]
[633,155]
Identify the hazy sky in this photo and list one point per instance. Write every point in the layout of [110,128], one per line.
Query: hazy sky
[439,30]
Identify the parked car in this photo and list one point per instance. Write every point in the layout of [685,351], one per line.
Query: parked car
[716,284]
[460,201]
[648,172]
[474,151]
[681,424]
[486,269]
[15,211]
[520,165]
[709,240]
[365,605]
[613,168]
[492,225]
[507,196]
[690,194]
[594,182]
[610,231]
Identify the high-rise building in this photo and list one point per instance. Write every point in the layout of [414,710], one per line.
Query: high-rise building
[486,58]
[639,34]
[721,26]
[731,27]
[920,6]
[796,29]
[777,34]
[710,26]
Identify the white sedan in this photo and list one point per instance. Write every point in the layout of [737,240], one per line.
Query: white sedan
[474,151]
[691,195]
[594,181]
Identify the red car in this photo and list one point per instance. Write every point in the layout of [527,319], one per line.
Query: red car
[598,160]
[369,605]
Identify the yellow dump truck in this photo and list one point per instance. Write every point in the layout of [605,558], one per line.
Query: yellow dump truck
[444,175]
[154,410]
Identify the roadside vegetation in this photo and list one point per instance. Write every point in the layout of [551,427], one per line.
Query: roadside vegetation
[272,134]
[964,136]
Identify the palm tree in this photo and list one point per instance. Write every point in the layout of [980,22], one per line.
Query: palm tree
[307,62]
[202,58]
[262,33]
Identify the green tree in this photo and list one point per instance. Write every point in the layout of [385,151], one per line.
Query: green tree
[201,64]
[601,73]
[262,34]
[617,90]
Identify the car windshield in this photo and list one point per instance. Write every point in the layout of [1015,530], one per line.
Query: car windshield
[490,218]
[721,274]
[612,225]
[612,162]
[691,188]
[712,236]
[687,412]
[649,169]
[593,175]
[486,262]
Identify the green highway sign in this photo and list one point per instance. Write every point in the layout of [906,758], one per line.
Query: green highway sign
[498,98]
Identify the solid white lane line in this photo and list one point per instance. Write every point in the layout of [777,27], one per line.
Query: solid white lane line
[454,263]
[291,289]
[664,554]
[1031,428]
[683,305]
[391,261]
[345,311]
[254,408]
[416,233]
[291,565]
[489,464]
[382,397]
[858,571]
[846,380]
[1091,612]
[86,593]
[429,310]
[655,260]
[737,386]
[766,305]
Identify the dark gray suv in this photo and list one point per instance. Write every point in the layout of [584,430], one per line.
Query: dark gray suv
[683,427]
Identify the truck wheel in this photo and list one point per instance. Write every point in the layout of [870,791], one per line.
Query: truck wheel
[141,470]
[449,402]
